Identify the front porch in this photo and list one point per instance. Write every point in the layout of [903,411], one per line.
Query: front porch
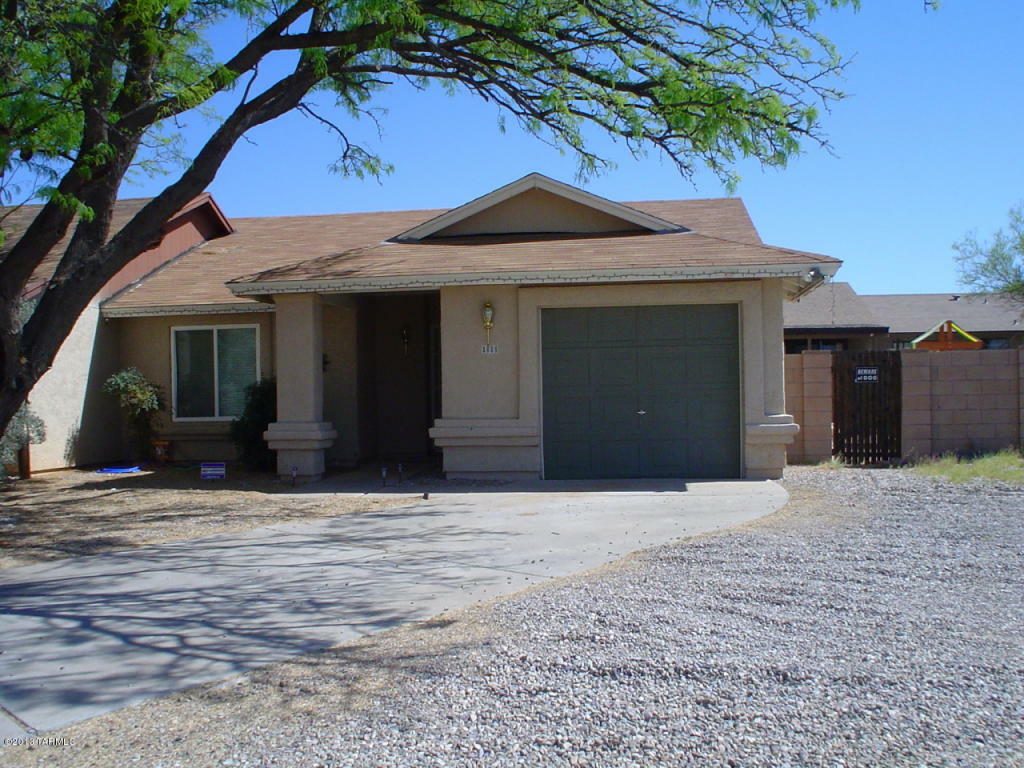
[358,379]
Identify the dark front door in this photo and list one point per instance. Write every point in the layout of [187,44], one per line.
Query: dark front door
[866,398]
[641,391]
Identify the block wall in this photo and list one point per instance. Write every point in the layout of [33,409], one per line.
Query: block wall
[963,401]
[809,401]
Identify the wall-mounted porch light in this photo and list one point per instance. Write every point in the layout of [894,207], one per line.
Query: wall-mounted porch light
[487,313]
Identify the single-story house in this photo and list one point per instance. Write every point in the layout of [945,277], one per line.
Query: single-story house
[536,331]
[835,317]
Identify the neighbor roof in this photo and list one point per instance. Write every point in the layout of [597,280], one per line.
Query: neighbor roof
[916,313]
[198,278]
[833,305]
[15,221]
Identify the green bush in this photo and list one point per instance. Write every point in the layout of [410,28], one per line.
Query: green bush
[142,401]
[247,430]
[25,428]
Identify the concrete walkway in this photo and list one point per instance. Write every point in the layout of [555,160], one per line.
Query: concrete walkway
[87,635]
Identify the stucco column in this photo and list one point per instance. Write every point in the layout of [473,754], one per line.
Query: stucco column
[300,435]
[766,441]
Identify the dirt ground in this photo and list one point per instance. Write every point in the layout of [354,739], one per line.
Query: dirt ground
[78,512]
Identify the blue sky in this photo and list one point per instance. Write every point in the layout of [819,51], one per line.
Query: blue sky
[927,147]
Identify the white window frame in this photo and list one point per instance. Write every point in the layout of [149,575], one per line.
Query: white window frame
[216,374]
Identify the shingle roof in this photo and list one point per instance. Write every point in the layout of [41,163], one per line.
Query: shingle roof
[832,305]
[18,220]
[265,243]
[495,255]
[917,312]
[837,305]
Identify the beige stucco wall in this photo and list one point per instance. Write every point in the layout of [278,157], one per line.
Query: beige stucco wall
[492,403]
[476,385]
[145,342]
[69,400]
[537,210]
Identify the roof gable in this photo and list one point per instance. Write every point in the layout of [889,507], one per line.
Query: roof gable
[214,224]
[538,204]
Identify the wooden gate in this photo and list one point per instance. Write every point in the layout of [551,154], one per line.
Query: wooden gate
[866,398]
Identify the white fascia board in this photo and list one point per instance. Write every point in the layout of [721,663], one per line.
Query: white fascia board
[538,181]
[794,272]
[187,309]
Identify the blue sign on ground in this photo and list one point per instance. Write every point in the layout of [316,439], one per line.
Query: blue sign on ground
[212,470]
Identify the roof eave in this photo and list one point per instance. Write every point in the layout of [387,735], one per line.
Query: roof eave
[232,308]
[792,274]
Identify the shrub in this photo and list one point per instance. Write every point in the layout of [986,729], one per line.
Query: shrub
[25,428]
[142,401]
[247,430]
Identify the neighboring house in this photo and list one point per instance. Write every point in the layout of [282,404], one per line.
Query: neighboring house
[997,322]
[69,396]
[835,317]
[538,330]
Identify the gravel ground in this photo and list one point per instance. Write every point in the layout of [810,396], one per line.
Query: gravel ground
[875,621]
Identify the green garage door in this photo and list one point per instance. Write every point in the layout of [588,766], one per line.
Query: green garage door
[641,391]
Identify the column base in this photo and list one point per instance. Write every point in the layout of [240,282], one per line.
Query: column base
[765,447]
[300,448]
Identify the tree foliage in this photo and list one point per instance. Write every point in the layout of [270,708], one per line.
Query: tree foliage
[90,87]
[995,266]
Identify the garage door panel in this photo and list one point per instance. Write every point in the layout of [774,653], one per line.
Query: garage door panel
[661,366]
[612,325]
[615,415]
[711,414]
[569,459]
[714,458]
[718,323]
[570,416]
[665,417]
[567,369]
[667,324]
[679,365]
[711,368]
[564,328]
[616,458]
[613,367]
[665,458]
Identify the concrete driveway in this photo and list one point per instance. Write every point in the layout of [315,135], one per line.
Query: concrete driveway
[87,635]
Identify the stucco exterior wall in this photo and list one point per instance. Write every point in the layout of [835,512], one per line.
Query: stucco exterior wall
[145,342]
[537,210]
[492,403]
[477,385]
[68,398]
